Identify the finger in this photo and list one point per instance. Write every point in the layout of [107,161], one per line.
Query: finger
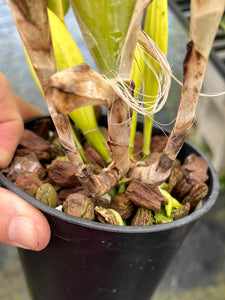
[21,224]
[11,123]
[27,110]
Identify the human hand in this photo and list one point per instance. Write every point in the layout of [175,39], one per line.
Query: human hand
[21,224]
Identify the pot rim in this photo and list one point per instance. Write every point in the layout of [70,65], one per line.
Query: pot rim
[207,203]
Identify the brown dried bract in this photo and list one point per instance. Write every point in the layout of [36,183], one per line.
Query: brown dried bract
[145,195]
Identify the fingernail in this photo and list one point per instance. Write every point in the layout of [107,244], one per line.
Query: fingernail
[22,232]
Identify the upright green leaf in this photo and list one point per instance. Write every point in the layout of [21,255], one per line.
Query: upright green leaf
[105,38]
[59,8]
[156,26]
[136,76]
[67,55]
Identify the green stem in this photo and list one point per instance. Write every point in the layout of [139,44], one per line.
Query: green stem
[78,144]
[172,202]
[147,132]
[85,120]
[112,192]
[136,76]
[122,188]
[156,26]
[133,132]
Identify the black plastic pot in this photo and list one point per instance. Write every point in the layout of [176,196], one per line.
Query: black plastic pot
[88,260]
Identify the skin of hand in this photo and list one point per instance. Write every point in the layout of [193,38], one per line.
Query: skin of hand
[21,224]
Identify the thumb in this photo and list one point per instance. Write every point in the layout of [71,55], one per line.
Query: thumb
[11,123]
[27,110]
[21,224]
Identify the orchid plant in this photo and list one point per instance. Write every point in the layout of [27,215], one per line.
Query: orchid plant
[128,43]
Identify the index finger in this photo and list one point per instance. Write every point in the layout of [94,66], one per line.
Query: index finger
[11,122]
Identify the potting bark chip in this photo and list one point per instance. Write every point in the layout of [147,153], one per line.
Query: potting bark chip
[42,170]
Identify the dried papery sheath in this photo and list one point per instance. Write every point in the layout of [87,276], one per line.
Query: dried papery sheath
[32,21]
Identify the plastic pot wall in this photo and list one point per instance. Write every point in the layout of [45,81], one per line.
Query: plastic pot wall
[88,260]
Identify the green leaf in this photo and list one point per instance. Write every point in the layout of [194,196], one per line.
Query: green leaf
[67,54]
[156,26]
[105,38]
[59,8]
